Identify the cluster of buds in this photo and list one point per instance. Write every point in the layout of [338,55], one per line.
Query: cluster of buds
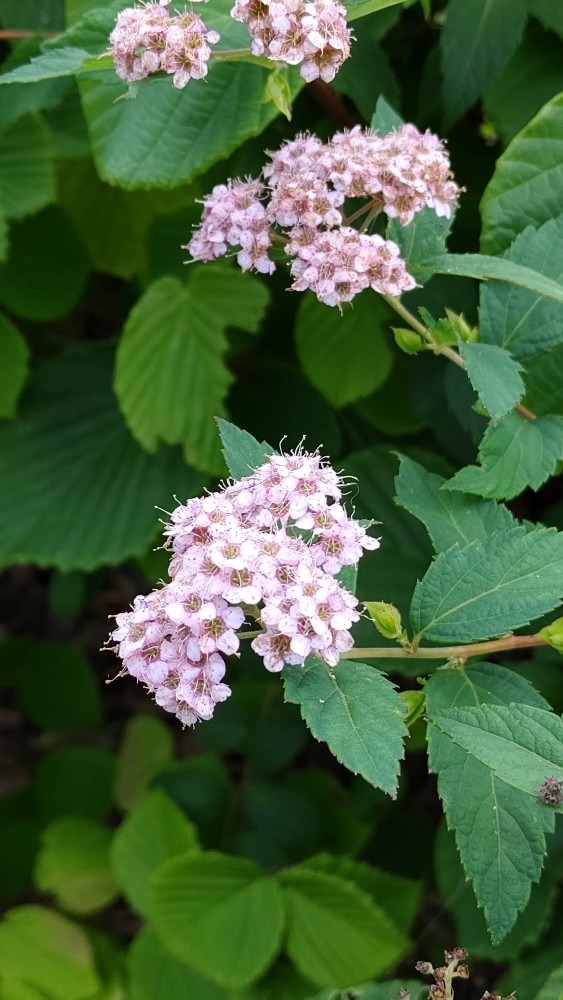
[147,40]
[442,987]
[299,203]
[310,33]
[269,545]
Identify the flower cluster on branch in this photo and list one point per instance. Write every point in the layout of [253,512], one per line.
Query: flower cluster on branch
[270,545]
[300,202]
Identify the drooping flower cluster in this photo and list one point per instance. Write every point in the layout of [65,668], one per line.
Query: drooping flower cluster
[303,193]
[271,544]
[312,33]
[147,40]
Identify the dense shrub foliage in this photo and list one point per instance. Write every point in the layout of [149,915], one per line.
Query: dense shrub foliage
[360,638]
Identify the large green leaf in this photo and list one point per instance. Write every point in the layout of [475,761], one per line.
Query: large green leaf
[525,187]
[48,951]
[204,900]
[524,322]
[346,357]
[494,375]
[521,744]
[356,711]
[478,39]
[154,972]
[47,66]
[475,265]
[489,588]
[332,927]
[73,864]
[154,831]
[544,383]
[243,453]
[27,176]
[171,377]
[515,454]
[450,517]
[14,356]
[145,748]
[499,832]
[553,987]
[424,238]
[71,442]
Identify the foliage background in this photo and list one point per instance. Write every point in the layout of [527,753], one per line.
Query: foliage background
[114,358]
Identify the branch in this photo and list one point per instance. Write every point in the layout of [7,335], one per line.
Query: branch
[508,642]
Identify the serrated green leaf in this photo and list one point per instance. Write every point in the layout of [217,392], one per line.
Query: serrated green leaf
[356,711]
[385,118]
[494,375]
[526,180]
[332,926]
[346,357]
[489,588]
[71,441]
[27,177]
[477,41]
[243,453]
[145,748]
[499,833]
[450,517]
[47,66]
[474,265]
[515,454]
[49,952]
[154,971]
[423,239]
[14,357]
[522,744]
[155,831]
[202,900]
[519,320]
[171,377]
[544,383]
[73,864]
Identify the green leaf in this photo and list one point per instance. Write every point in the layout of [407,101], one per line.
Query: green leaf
[423,239]
[42,286]
[544,383]
[200,785]
[526,181]
[477,41]
[359,8]
[47,66]
[201,900]
[551,15]
[27,177]
[56,686]
[33,15]
[243,453]
[494,375]
[171,378]
[500,833]
[450,517]
[14,357]
[154,972]
[155,831]
[519,320]
[474,265]
[489,588]
[346,357]
[533,76]
[356,711]
[370,73]
[332,926]
[73,864]
[71,442]
[385,119]
[75,781]
[145,748]
[521,744]
[49,952]
[553,986]
[515,454]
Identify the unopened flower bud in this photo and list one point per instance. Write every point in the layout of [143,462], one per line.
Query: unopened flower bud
[385,617]
[426,968]
[462,971]
[440,973]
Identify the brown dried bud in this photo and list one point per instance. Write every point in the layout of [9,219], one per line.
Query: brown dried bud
[456,955]
[437,992]
[440,973]
[462,971]
[425,967]
[551,792]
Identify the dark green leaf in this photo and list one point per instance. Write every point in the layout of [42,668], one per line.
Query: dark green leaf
[494,375]
[474,265]
[75,781]
[489,588]
[14,356]
[243,453]
[422,240]
[544,383]
[27,177]
[145,748]
[357,712]
[57,688]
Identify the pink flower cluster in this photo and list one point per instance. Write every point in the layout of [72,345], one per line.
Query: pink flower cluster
[147,40]
[303,192]
[269,544]
[312,33]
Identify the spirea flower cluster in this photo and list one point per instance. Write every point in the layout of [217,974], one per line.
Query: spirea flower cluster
[147,40]
[270,545]
[312,33]
[299,202]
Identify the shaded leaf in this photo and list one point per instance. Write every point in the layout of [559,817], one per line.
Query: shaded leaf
[154,971]
[75,781]
[14,355]
[27,177]
[423,239]
[544,383]
[145,748]
[56,686]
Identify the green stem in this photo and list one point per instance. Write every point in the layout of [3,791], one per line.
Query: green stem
[445,652]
